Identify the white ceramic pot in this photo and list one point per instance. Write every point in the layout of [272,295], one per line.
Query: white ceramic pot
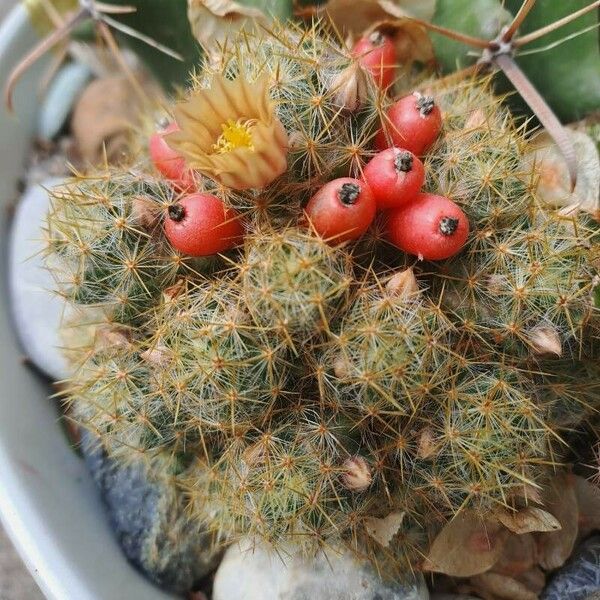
[48,503]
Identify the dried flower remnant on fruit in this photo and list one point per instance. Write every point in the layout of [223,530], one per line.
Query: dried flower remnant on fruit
[176,212]
[229,132]
[424,104]
[403,284]
[357,474]
[404,162]
[448,225]
[349,193]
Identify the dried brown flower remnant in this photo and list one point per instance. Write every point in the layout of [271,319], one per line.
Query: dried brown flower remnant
[357,474]
[229,132]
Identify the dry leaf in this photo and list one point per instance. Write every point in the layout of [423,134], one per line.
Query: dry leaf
[544,340]
[383,530]
[426,445]
[501,587]
[104,117]
[352,17]
[588,502]
[554,187]
[534,580]
[412,42]
[559,499]
[466,546]
[527,520]
[213,21]
[519,555]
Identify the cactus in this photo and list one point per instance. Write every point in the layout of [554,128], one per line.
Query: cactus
[293,282]
[332,395]
[104,227]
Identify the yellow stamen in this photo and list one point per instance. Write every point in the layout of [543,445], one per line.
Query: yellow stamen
[236,134]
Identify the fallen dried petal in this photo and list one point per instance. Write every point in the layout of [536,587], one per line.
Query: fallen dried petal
[383,530]
[403,284]
[356,474]
[554,186]
[545,340]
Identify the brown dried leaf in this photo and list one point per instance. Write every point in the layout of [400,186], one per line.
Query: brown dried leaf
[527,520]
[466,546]
[534,580]
[103,118]
[588,502]
[213,21]
[501,587]
[383,530]
[352,17]
[519,555]
[559,499]
[412,42]
[554,187]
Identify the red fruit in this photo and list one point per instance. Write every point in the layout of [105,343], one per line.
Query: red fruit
[432,227]
[341,210]
[414,123]
[168,162]
[377,54]
[395,177]
[201,225]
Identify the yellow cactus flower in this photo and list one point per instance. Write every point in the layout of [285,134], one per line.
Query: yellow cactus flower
[229,132]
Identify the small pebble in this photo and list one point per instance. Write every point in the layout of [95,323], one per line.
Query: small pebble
[61,95]
[580,577]
[149,519]
[252,573]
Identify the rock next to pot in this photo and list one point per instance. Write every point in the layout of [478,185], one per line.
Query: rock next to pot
[148,518]
[251,573]
[580,577]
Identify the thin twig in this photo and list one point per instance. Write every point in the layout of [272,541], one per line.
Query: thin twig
[44,46]
[538,33]
[455,35]
[116,52]
[143,38]
[111,9]
[559,42]
[543,112]
[525,9]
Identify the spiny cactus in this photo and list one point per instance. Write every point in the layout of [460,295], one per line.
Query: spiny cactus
[293,282]
[104,227]
[317,394]
[486,441]
[387,350]
[528,272]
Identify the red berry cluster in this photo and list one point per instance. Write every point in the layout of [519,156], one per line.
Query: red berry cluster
[428,226]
